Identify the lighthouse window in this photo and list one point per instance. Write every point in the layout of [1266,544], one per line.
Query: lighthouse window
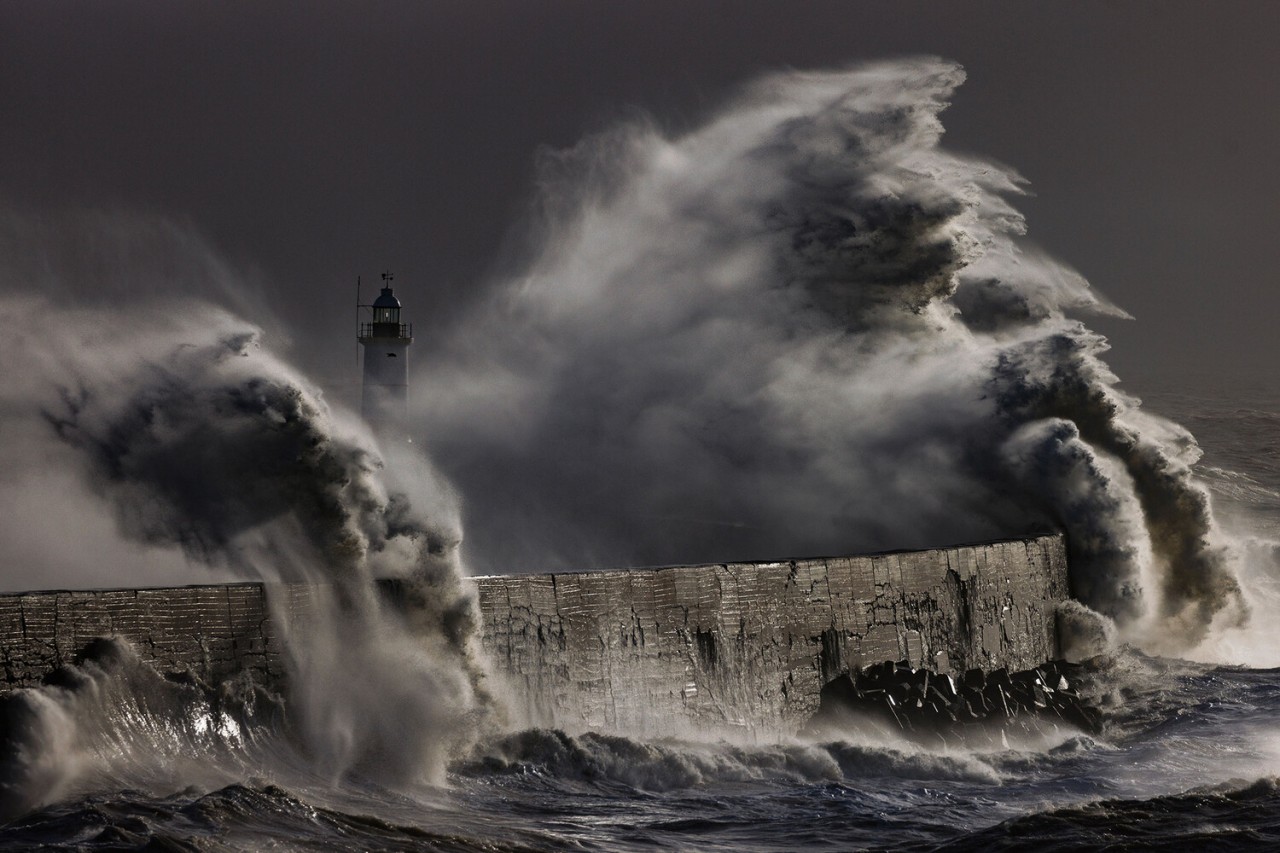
[391,355]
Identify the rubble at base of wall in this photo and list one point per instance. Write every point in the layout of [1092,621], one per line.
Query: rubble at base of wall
[976,708]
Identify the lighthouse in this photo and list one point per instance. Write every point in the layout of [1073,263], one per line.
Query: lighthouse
[385,397]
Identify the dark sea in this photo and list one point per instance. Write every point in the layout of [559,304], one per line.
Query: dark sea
[1188,756]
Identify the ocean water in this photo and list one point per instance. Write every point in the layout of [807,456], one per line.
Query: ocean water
[1188,755]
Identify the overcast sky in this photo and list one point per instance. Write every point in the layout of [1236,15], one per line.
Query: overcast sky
[314,142]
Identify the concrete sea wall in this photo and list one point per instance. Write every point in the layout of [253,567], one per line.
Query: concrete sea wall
[215,631]
[750,645]
[737,645]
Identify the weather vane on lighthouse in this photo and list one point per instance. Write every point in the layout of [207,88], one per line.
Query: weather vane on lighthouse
[385,396]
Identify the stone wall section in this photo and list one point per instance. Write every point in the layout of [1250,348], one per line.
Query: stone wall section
[214,632]
[739,646]
[750,645]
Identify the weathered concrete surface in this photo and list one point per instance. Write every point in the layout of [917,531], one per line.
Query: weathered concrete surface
[751,644]
[214,632]
[743,645]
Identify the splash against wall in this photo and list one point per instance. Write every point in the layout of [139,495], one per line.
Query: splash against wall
[807,328]
[199,440]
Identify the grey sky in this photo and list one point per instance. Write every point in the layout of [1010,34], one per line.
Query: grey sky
[314,145]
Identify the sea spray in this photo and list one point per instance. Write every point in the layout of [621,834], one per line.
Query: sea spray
[806,328]
[109,720]
[201,440]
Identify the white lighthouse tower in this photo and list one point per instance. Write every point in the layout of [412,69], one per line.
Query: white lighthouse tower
[385,397]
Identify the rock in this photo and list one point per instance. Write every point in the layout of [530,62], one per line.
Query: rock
[925,705]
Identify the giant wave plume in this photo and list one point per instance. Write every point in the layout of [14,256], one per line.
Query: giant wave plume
[173,420]
[803,328]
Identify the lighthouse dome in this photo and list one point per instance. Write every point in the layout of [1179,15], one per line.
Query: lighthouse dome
[386,300]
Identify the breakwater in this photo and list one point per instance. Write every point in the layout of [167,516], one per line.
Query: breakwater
[738,645]
[212,631]
[750,645]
